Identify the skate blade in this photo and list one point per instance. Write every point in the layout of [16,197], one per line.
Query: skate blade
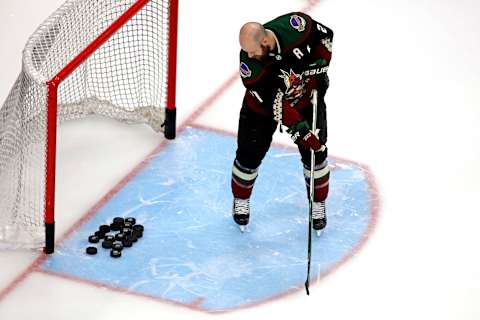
[243,229]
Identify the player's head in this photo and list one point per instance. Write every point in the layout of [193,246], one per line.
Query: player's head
[254,40]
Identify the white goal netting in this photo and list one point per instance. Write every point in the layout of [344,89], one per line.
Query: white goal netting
[125,79]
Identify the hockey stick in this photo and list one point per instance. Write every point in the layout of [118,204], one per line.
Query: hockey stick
[310,198]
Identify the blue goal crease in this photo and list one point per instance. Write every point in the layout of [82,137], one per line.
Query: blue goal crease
[191,249]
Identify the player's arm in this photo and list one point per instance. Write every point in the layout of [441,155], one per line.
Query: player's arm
[320,41]
[255,79]
[316,66]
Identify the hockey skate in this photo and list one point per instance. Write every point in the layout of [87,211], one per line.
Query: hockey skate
[319,217]
[241,212]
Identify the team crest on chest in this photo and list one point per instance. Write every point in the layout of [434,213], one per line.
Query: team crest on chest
[298,23]
[245,71]
[294,84]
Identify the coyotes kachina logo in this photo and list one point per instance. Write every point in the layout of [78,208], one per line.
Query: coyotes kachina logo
[294,83]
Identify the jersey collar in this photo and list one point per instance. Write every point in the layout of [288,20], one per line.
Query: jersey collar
[279,50]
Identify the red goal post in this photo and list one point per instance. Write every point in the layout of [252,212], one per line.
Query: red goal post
[115,58]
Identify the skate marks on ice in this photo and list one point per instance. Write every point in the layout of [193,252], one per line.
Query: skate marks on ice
[193,254]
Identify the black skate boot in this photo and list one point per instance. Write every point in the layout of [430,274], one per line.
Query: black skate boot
[319,217]
[241,212]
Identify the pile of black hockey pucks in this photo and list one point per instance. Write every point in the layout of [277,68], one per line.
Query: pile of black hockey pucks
[121,233]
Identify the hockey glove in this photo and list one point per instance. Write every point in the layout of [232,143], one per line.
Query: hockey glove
[283,112]
[303,136]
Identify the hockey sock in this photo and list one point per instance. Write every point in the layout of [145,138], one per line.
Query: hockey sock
[242,180]
[321,176]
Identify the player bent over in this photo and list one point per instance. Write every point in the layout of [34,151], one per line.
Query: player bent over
[281,62]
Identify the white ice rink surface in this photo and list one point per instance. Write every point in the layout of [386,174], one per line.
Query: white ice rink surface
[404,100]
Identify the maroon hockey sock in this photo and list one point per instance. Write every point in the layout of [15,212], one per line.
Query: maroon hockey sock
[243,180]
[321,182]
[320,189]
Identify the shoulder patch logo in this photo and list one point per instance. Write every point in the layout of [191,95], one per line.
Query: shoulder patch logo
[245,71]
[298,23]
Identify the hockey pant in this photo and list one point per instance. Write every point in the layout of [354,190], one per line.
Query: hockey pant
[255,132]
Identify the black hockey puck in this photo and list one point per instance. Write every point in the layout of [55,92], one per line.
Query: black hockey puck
[93,239]
[127,225]
[130,220]
[118,220]
[133,238]
[126,231]
[138,227]
[117,246]
[115,227]
[107,244]
[91,250]
[104,228]
[110,238]
[115,253]
[119,236]
[138,234]
[100,234]
[127,243]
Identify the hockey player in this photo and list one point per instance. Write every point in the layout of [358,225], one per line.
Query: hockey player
[281,62]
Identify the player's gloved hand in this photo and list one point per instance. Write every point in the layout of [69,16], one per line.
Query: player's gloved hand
[302,135]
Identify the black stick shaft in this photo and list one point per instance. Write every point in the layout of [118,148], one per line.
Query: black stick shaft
[310,198]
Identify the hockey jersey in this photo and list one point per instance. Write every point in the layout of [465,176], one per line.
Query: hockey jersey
[299,61]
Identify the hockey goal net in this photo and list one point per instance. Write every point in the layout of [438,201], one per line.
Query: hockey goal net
[114,58]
